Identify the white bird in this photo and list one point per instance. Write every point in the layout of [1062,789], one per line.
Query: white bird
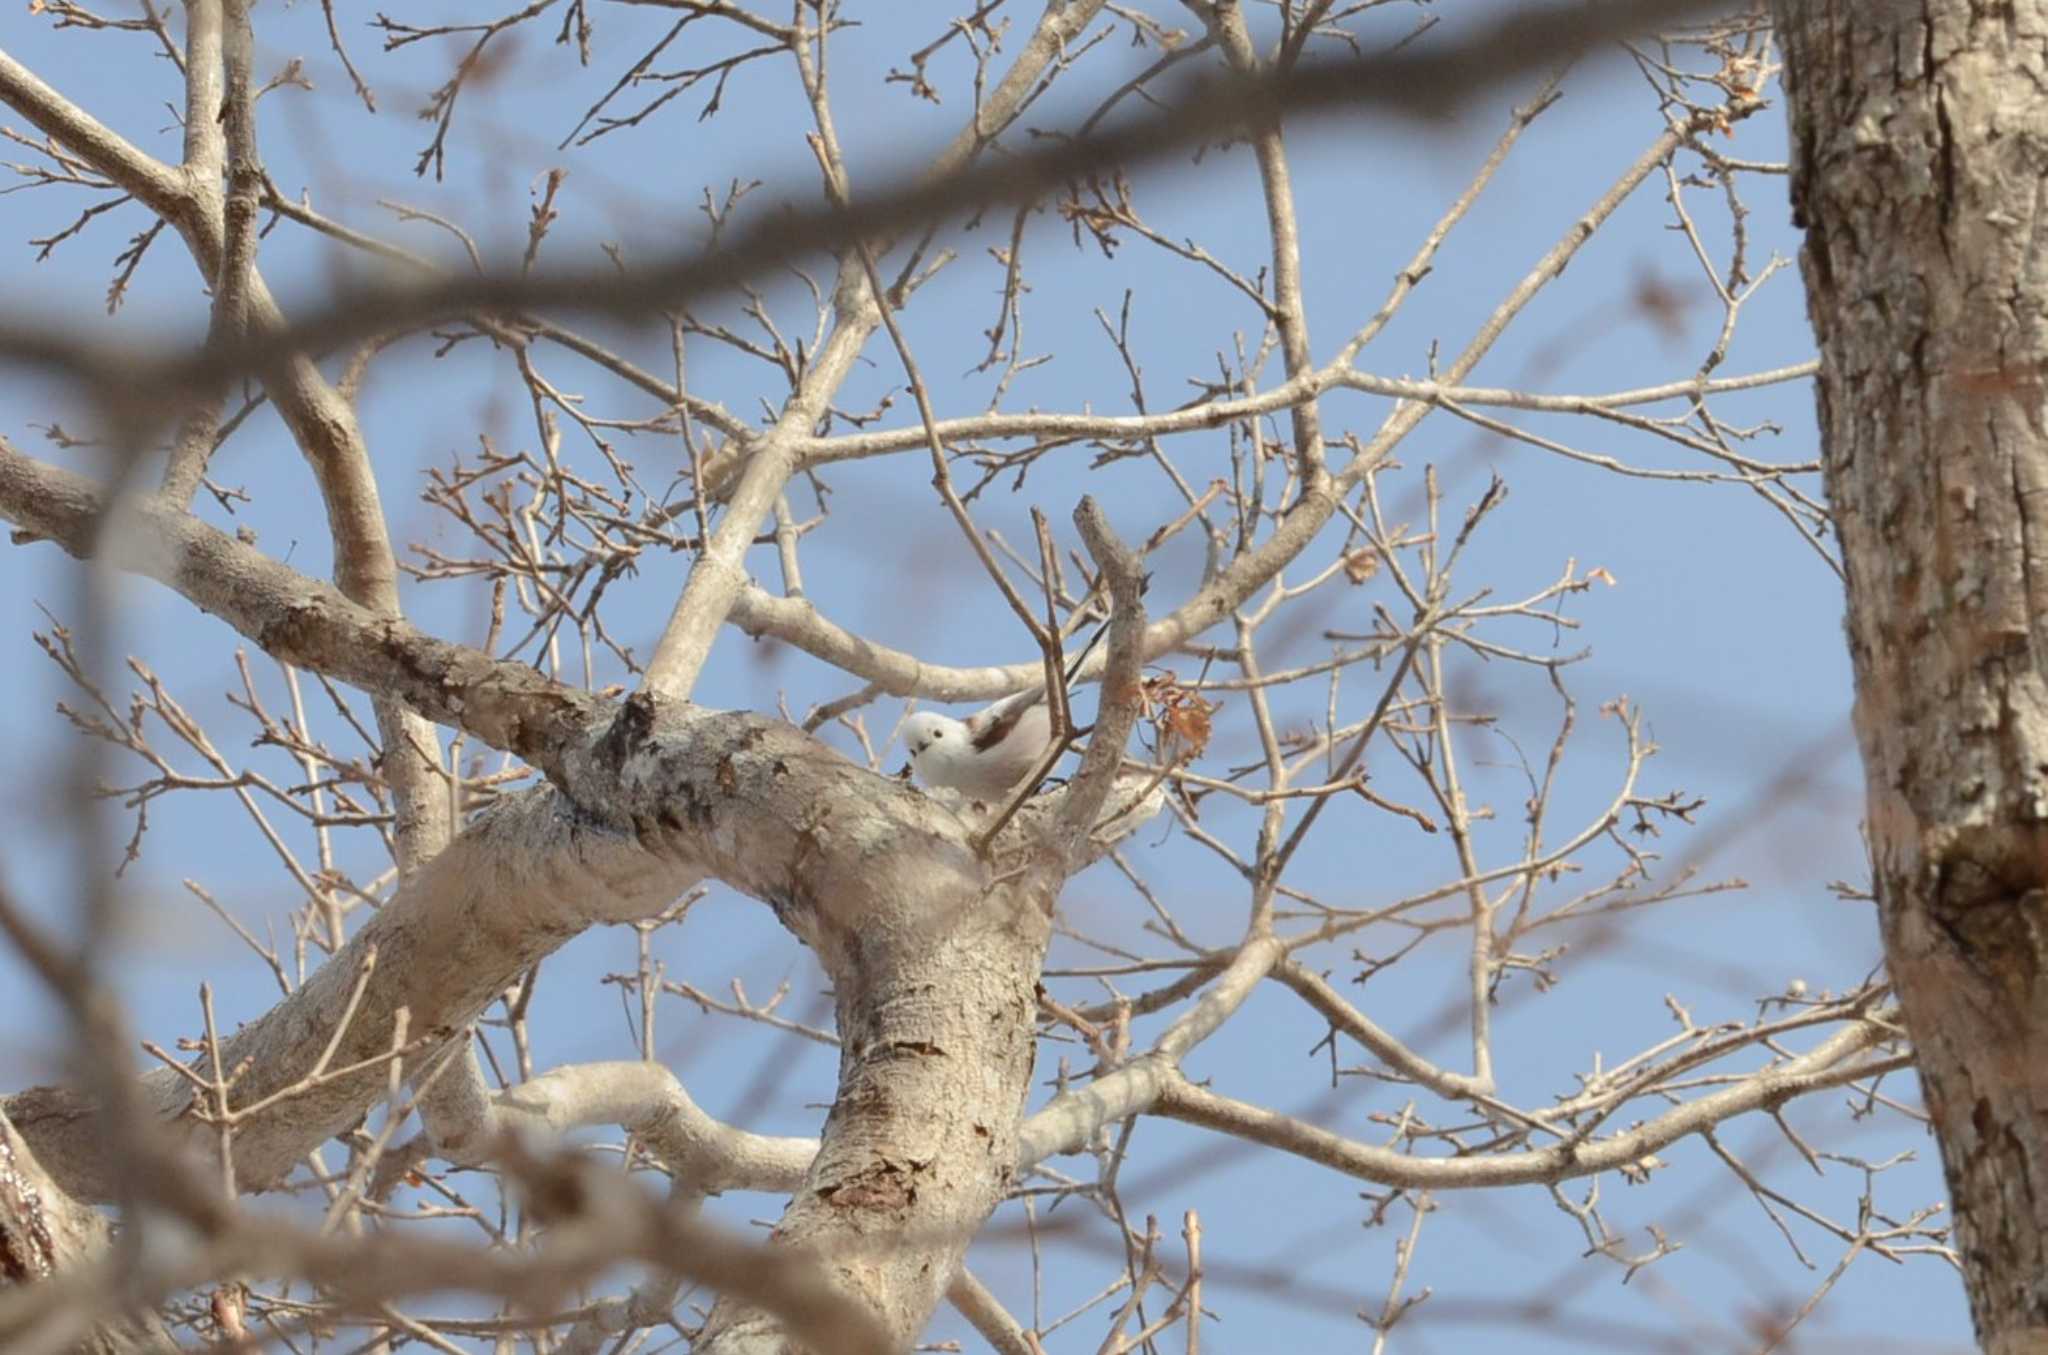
[985,756]
[989,754]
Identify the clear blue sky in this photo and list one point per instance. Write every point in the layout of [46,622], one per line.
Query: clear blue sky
[1722,627]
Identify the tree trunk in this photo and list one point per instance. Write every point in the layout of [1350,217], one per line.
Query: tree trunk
[937,1034]
[1920,142]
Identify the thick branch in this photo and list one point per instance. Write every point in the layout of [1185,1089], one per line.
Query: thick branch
[152,182]
[301,620]
[1153,1084]
[1117,714]
[843,856]
[44,1233]
[1829,1065]
[647,1100]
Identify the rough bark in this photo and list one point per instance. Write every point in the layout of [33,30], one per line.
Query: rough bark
[935,966]
[937,1033]
[831,847]
[299,619]
[1920,144]
[933,951]
[43,1232]
[933,948]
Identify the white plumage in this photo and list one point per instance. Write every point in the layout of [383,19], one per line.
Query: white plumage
[985,756]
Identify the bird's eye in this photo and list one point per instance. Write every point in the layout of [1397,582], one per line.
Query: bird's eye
[938,733]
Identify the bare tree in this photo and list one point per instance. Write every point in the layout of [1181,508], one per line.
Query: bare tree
[1292,630]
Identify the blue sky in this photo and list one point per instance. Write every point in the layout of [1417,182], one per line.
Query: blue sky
[1722,627]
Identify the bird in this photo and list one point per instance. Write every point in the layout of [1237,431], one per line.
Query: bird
[989,754]
[985,756]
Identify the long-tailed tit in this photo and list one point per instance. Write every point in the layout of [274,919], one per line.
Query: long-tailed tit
[988,754]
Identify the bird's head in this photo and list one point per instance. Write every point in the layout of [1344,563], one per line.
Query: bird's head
[928,730]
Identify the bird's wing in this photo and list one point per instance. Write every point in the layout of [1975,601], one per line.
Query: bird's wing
[993,725]
[989,726]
